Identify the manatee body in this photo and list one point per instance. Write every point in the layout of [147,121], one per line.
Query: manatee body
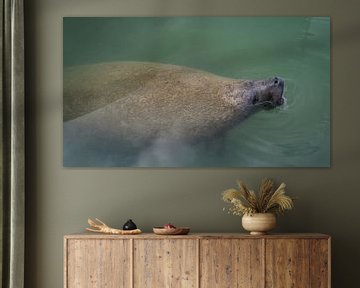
[140,102]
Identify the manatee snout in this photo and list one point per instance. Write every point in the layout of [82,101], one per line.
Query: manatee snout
[269,92]
[278,93]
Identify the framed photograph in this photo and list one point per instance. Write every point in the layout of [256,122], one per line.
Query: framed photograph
[196,92]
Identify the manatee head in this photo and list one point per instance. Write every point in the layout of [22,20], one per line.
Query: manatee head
[268,93]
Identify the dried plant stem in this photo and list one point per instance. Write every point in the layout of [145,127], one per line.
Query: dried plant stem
[101,227]
[245,201]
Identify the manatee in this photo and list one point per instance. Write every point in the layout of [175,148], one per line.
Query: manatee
[144,101]
[138,102]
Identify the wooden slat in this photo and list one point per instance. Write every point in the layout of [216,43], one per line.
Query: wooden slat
[165,263]
[287,263]
[66,263]
[98,263]
[231,263]
[198,263]
[88,235]
[329,263]
[319,263]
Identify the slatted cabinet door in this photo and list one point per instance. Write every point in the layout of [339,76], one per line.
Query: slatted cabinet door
[98,263]
[287,263]
[165,263]
[297,263]
[320,263]
[231,263]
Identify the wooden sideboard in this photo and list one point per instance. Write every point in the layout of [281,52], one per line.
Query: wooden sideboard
[197,260]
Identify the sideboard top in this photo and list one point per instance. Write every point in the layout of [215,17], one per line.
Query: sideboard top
[87,235]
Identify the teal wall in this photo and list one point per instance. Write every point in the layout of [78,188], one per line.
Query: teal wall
[60,200]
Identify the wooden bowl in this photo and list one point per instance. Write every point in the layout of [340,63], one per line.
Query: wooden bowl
[171,231]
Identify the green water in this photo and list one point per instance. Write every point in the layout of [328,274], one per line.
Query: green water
[295,48]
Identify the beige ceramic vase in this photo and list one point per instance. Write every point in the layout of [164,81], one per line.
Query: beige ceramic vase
[259,223]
